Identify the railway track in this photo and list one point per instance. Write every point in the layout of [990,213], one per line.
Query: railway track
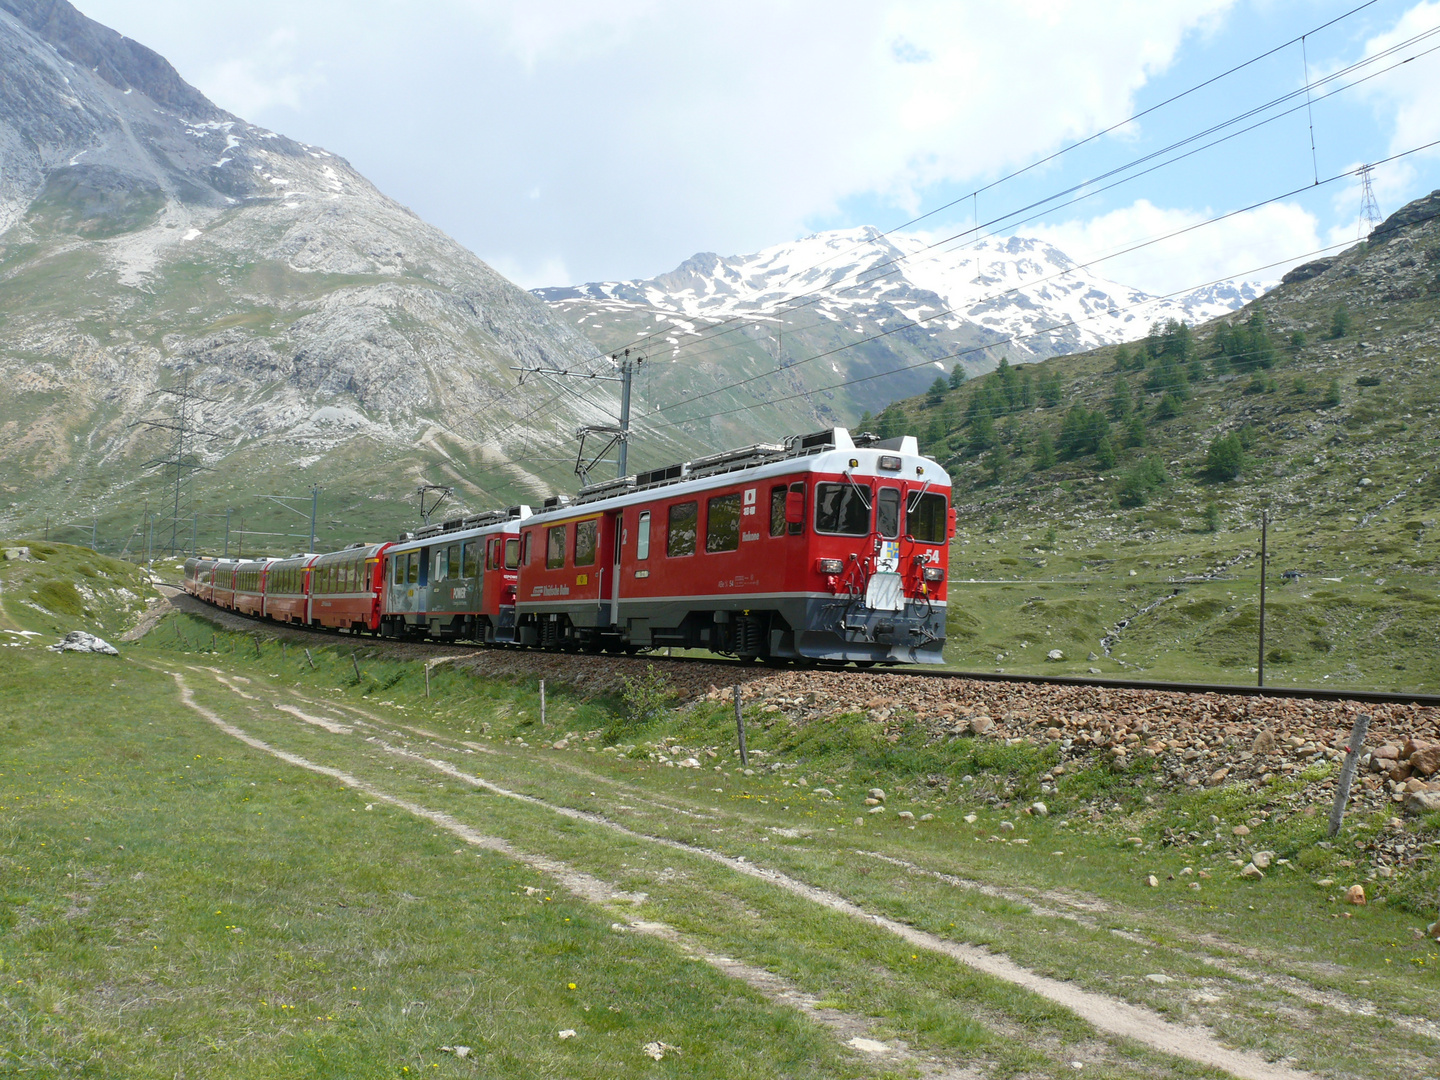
[1308,693]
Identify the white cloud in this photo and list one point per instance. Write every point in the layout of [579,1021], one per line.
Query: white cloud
[1234,247]
[1407,97]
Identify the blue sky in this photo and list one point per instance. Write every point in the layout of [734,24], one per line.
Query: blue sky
[565,141]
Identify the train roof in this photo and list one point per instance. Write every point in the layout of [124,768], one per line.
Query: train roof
[466,528]
[829,451]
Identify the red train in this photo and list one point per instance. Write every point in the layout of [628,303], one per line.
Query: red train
[825,548]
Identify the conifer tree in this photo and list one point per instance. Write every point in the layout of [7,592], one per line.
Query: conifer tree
[1121,403]
[1044,455]
[1105,454]
[957,377]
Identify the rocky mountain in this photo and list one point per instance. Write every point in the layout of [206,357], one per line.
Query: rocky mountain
[144,232]
[897,300]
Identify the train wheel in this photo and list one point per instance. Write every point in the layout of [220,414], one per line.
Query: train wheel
[865,663]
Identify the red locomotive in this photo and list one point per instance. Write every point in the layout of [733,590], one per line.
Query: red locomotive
[822,549]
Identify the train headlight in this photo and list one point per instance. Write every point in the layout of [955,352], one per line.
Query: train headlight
[935,574]
[830,566]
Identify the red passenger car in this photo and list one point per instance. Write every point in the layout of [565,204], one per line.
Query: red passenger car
[250,586]
[345,588]
[287,590]
[222,588]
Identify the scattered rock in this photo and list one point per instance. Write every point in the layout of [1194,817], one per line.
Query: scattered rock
[1252,872]
[81,642]
[1039,809]
[17,554]
[875,809]
[461,1052]
[1158,978]
[1153,881]
[981,725]
[658,1050]
[878,794]
[1262,859]
[868,1046]
[927,817]
[1355,895]
[905,815]
[568,1033]
[823,792]
[1055,654]
[1264,743]
[1007,826]
[1241,830]
[970,819]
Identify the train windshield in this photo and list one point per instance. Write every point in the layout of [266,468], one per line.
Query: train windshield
[840,508]
[925,518]
[512,554]
[887,512]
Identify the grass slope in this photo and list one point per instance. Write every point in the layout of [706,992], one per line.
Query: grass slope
[1330,427]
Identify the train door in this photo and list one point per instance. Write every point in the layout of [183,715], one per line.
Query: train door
[885,591]
[610,589]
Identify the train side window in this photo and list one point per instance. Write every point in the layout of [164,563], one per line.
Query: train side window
[413,572]
[642,536]
[777,511]
[399,571]
[797,527]
[840,509]
[455,565]
[722,523]
[525,549]
[680,538]
[490,560]
[555,547]
[440,565]
[512,554]
[925,518]
[887,512]
[587,537]
[471,566]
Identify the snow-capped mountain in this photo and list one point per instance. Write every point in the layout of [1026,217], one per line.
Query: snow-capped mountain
[1025,297]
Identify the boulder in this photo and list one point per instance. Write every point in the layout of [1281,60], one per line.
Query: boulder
[81,642]
[1355,895]
[1055,654]
[1264,743]
[1425,761]
[17,554]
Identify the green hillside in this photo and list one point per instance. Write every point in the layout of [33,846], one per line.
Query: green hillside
[1090,487]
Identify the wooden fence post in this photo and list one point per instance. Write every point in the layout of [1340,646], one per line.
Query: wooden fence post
[1347,772]
[542,703]
[740,729]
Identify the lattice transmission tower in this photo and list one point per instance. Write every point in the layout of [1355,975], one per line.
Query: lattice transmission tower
[1369,208]
[182,463]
